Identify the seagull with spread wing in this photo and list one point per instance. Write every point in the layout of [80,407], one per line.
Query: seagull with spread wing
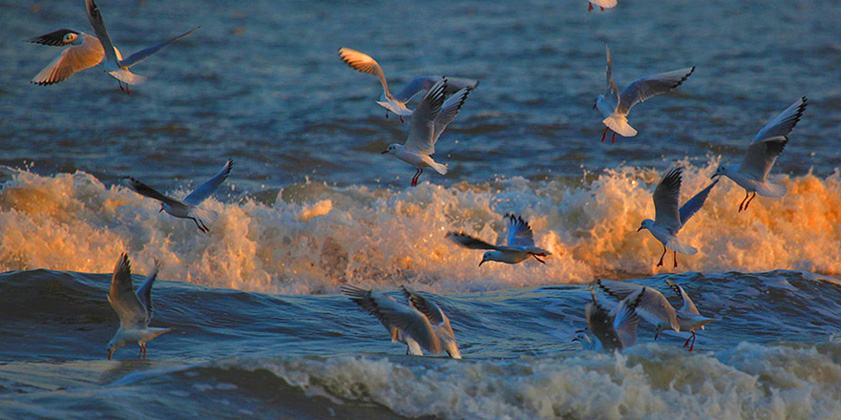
[668,218]
[133,308]
[615,107]
[85,51]
[115,64]
[428,123]
[520,244]
[752,173]
[656,309]
[396,103]
[188,207]
[422,326]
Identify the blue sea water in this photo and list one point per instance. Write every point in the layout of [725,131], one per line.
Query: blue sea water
[259,327]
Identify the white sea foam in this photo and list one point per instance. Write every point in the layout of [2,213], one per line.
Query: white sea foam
[315,237]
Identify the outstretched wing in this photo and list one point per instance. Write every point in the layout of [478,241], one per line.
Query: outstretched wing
[652,85]
[424,83]
[98,24]
[144,292]
[626,320]
[122,298]
[695,203]
[210,186]
[519,232]
[147,52]
[54,38]
[652,305]
[71,60]
[448,112]
[364,63]
[771,141]
[422,128]
[688,305]
[611,95]
[471,242]
[666,197]
[426,307]
[150,192]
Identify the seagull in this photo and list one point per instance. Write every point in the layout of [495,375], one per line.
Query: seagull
[185,209]
[615,329]
[422,326]
[134,309]
[688,316]
[431,119]
[603,4]
[668,219]
[85,52]
[651,304]
[520,243]
[616,107]
[752,173]
[115,65]
[396,103]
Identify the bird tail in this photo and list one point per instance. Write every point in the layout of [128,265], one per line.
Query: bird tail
[154,332]
[768,189]
[440,168]
[619,125]
[128,77]
[675,244]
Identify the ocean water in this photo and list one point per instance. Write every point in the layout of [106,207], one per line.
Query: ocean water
[260,330]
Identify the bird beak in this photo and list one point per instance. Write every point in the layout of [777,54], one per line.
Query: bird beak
[109,356]
[384,152]
[162,209]
[639,229]
[481,262]
[714,175]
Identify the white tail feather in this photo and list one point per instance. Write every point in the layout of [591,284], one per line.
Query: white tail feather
[619,125]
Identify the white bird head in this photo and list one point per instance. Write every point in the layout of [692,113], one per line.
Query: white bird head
[491,256]
[646,224]
[113,345]
[393,148]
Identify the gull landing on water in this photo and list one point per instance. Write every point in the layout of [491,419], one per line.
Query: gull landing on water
[603,4]
[752,173]
[431,118]
[396,103]
[615,107]
[133,309]
[422,326]
[85,51]
[656,309]
[185,209]
[520,243]
[115,64]
[668,218]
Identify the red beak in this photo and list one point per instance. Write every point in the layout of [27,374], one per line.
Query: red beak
[109,356]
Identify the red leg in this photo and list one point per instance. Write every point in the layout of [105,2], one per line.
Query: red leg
[415,178]
[751,199]
[657,334]
[602,9]
[386,115]
[401,119]
[675,254]
[692,338]
[613,139]
[660,264]
[604,133]
[742,204]
[589,7]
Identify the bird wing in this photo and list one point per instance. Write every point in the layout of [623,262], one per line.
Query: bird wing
[695,203]
[666,211]
[364,63]
[651,305]
[210,186]
[147,52]
[423,83]
[471,242]
[646,87]
[448,112]
[150,192]
[771,141]
[71,60]
[428,308]
[144,292]
[122,297]
[422,128]
[54,38]
[611,95]
[688,305]
[519,232]
[625,319]
[98,24]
